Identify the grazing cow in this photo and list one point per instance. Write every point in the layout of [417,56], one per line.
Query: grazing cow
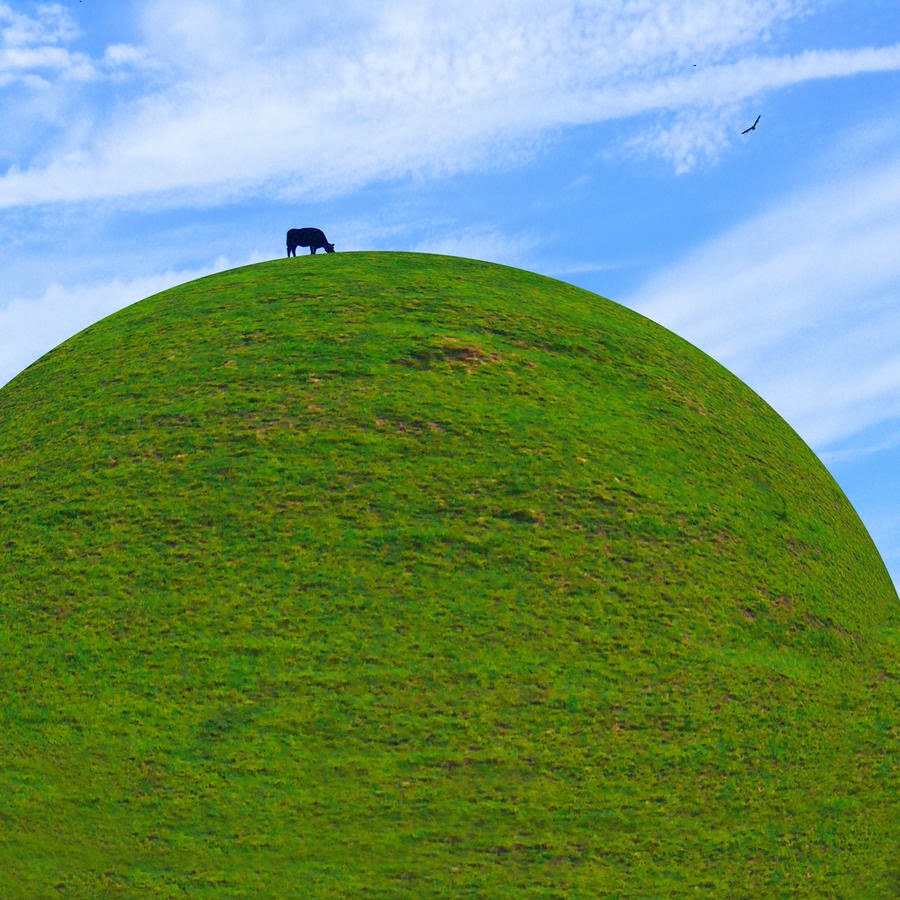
[314,238]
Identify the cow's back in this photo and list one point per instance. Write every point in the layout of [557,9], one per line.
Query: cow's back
[306,237]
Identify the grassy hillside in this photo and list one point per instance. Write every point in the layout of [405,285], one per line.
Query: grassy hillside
[401,575]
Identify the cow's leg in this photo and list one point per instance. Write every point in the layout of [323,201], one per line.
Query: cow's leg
[312,249]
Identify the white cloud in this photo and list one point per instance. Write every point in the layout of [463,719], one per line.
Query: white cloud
[47,99]
[703,107]
[478,243]
[695,136]
[861,451]
[801,303]
[51,24]
[31,48]
[325,101]
[30,327]
[124,55]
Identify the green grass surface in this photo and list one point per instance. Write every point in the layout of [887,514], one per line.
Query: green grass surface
[384,574]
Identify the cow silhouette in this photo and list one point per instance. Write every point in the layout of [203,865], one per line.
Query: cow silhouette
[314,238]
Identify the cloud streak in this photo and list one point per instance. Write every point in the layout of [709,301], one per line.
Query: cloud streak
[240,103]
[31,46]
[800,301]
[30,327]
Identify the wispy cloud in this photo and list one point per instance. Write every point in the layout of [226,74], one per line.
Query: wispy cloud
[485,244]
[32,46]
[801,302]
[700,110]
[50,24]
[29,327]
[327,100]
[861,451]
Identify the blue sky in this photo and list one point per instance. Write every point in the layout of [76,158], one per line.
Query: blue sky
[148,142]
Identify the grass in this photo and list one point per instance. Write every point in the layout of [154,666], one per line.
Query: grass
[391,574]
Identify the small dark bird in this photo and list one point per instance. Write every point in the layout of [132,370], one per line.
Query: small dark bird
[753,126]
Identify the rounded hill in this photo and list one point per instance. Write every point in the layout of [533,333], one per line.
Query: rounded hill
[406,575]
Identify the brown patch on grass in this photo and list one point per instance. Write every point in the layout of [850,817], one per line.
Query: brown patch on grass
[450,350]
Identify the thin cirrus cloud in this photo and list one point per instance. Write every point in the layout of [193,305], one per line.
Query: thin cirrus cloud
[31,47]
[30,328]
[704,104]
[809,318]
[207,105]
[50,25]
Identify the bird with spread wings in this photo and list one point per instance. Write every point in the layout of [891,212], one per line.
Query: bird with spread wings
[753,126]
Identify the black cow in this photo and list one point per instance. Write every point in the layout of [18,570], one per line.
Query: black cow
[314,238]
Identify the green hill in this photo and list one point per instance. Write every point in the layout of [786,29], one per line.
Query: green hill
[391,574]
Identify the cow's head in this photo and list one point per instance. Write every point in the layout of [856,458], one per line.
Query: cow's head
[329,248]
